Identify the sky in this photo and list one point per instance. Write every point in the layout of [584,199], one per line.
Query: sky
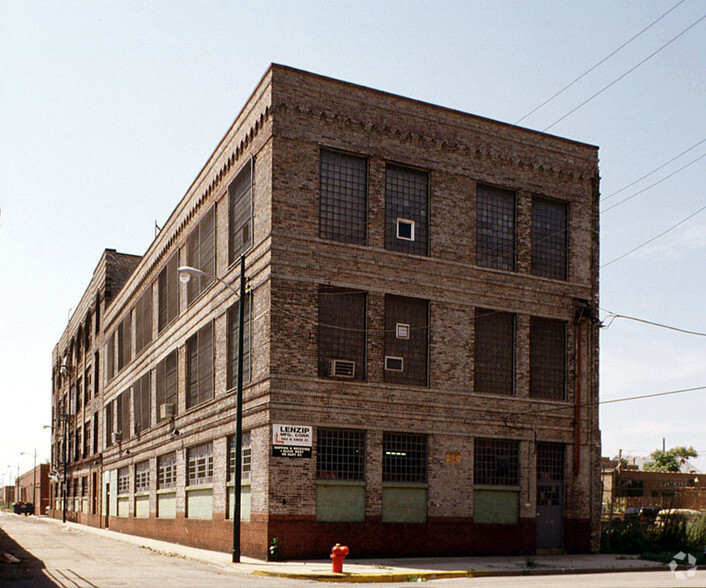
[108,110]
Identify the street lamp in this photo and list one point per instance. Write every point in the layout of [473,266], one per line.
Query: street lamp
[185,274]
[64,418]
[34,480]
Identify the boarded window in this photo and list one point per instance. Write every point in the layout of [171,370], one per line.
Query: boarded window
[143,320]
[496,462]
[240,212]
[166,471]
[547,358]
[141,403]
[406,210]
[233,322]
[495,228]
[340,454]
[404,457]
[494,351]
[246,457]
[412,314]
[168,292]
[201,254]
[199,367]
[166,384]
[549,238]
[142,476]
[199,465]
[342,331]
[343,199]
[125,341]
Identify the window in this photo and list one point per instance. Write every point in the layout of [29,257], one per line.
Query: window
[342,333]
[343,200]
[494,352]
[125,341]
[142,476]
[123,408]
[550,461]
[404,457]
[406,316]
[240,212]
[547,358]
[166,471]
[495,227]
[124,480]
[110,357]
[549,238]
[340,454]
[199,367]
[168,292]
[496,462]
[201,254]
[233,322]
[199,464]
[246,457]
[96,430]
[143,320]
[141,403]
[167,382]
[86,439]
[406,210]
[109,423]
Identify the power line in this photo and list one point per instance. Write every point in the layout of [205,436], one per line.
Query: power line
[613,316]
[674,226]
[606,58]
[632,69]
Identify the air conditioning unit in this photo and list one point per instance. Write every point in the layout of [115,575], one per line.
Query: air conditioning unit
[341,368]
[166,410]
[117,437]
[394,364]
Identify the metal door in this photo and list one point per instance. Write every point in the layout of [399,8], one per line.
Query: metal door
[550,495]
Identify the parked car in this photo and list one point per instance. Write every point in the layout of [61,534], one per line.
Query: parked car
[675,514]
[645,514]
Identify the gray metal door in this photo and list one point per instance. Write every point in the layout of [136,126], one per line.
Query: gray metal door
[550,495]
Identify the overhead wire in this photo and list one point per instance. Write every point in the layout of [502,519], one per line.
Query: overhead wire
[613,316]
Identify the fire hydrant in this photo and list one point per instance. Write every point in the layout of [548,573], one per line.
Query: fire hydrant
[338,554]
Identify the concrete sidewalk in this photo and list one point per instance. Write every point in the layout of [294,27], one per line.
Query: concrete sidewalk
[389,569]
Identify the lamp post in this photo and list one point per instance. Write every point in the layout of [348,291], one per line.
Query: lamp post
[34,479]
[64,418]
[185,273]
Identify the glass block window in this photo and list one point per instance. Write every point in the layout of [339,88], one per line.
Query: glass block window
[233,322]
[123,480]
[201,254]
[342,330]
[550,461]
[340,454]
[496,462]
[142,476]
[406,210]
[168,292]
[343,199]
[494,352]
[141,403]
[199,367]
[404,457]
[547,358]
[240,212]
[246,457]
[412,315]
[166,471]
[143,320]
[199,464]
[549,238]
[495,228]
[167,381]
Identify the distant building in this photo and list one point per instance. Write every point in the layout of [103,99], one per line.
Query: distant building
[8,495]
[34,488]
[420,344]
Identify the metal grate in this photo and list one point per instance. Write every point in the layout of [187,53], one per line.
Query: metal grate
[141,403]
[167,381]
[246,457]
[404,457]
[342,332]
[549,238]
[166,471]
[199,366]
[143,320]
[199,464]
[406,197]
[240,209]
[496,462]
[201,254]
[142,476]
[340,454]
[233,320]
[168,293]
[495,227]
[547,358]
[550,461]
[414,349]
[494,352]
[343,200]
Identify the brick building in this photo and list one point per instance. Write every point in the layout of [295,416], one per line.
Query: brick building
[34,488]
[420,349]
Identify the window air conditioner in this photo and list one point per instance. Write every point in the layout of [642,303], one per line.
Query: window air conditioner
[166,410]
[117,437]
[394,364]
[341,368]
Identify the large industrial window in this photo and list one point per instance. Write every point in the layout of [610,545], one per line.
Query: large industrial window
[550,461]
[142,476]
[496,462]
[141,403]
[404,457]
[166,471]
[240,212]
[109,423]
[342,333]
[406,340]
[201,254]
[343,199]
[406,210]
[199,465]
[168,292]
[495,227]
[125,341]
[199,367]
[233,322]
[494,352]
[123,403]
[124,480]
[549,238]
[143,320]
[340,454]
[547,358]
[167,382]
[110,357]
[246,457]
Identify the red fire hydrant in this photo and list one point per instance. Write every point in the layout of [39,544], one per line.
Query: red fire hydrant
[338,554]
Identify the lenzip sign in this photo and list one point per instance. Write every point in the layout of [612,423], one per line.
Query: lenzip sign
[291,441]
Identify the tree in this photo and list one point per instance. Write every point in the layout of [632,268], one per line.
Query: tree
[670,460]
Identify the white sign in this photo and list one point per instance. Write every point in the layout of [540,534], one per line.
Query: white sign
[291,440]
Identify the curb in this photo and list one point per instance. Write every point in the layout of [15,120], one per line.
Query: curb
[362,578]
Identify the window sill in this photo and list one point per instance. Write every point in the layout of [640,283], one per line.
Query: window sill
[166,491]
[333,482]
